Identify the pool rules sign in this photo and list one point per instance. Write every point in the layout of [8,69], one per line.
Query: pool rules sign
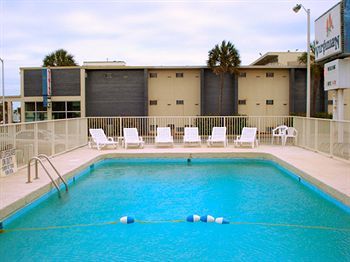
[8,162]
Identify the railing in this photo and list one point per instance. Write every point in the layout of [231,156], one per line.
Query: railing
[57,136]
[44,137]
[38,159]
[324,135]
[321,135]
[147,126]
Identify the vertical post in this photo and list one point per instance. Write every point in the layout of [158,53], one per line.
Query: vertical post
[259,130]
[36,169]
[66,134]
[331,130]
[36,140]
[304,132]
[308,73]
[316,134]
[120,126]
[52,138]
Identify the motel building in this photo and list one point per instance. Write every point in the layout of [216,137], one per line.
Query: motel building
[273,85]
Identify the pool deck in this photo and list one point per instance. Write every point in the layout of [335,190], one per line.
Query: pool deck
[329,175]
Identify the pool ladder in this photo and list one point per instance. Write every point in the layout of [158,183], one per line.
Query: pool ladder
[38,159]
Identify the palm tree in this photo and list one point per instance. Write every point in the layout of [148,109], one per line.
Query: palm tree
[223,59]
[316,75]
[59,58]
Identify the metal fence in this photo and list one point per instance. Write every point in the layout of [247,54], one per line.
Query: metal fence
[324,135]
[147,126]
[44,137]
[57,136]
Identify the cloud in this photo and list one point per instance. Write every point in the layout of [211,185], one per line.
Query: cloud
[147,32]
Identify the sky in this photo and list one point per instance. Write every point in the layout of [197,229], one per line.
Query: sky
[173,33]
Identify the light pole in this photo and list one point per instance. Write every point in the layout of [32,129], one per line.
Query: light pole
[308,74]
[3,92]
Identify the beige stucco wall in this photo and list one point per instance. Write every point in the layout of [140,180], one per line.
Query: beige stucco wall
[167,88]
[346,103]
[287,58]
[256,88]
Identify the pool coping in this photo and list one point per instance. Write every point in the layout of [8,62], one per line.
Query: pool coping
[30,198]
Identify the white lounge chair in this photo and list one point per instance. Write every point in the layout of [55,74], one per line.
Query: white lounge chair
[248,136]
[292,133]
[218,136]
[100,139]
[279,132]
[132,138]
[164,137]
[191,136]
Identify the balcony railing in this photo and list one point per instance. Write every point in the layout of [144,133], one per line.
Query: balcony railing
[57,136]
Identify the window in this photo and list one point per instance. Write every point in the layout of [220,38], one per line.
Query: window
[73,106]
[153,75]
[59,106]
[330,102]
[180,102]
[108,75]
[242,74]
[242,102]
[179,75]
[269,102]
[153,102]
[65,109]
[35,111]
[270,74]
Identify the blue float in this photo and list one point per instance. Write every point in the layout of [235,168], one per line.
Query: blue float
[222,220]
[127,220]
[207,219]
[193,218]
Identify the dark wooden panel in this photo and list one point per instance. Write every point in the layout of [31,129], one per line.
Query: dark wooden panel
[115,93]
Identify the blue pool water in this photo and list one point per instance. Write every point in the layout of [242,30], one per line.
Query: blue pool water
[279,218]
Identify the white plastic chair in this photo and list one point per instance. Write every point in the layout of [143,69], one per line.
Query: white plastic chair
[100,139]
[280,133]
[132,138]
[218,136]
[248,136]
[292,133]
[191,136]
[164,137]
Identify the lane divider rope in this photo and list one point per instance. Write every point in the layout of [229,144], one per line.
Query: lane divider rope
[314,227]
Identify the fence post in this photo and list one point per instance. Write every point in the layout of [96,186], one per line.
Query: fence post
[316,134]
[259,130]
[331,130]
[120,126]
[36,141]
[52,125]
[304,132]
[66,134]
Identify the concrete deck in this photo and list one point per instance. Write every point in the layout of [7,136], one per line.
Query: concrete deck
[330,175]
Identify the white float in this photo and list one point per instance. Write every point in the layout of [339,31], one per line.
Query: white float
[127,220]
[207,219]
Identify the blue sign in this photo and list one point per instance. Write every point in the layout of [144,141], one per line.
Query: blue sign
[44,86]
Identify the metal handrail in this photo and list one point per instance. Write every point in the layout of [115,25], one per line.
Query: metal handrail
[38,159]
[54,168]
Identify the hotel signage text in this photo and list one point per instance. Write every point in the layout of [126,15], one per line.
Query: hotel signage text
[328,37]
[336,74]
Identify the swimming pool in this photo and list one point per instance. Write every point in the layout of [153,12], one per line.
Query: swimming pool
[273,216]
